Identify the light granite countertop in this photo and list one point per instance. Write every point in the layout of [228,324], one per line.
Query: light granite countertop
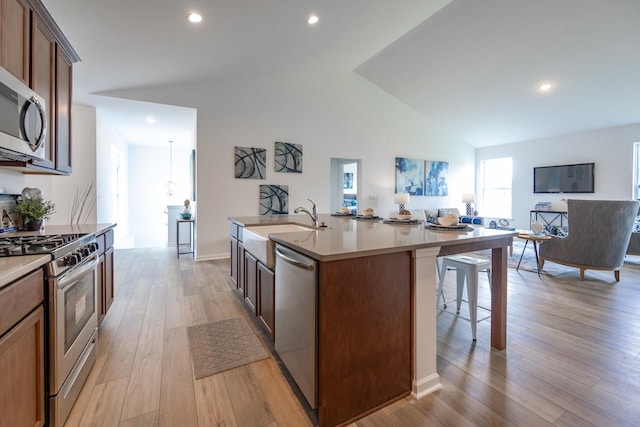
[346,237]
[14,267]
[64,229]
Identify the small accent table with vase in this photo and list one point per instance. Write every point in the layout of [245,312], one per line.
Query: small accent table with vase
[535,238]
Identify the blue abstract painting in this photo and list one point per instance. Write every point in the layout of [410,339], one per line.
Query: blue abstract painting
[274,199]
[436,178]
[251,162]
[410,176]
[288,157]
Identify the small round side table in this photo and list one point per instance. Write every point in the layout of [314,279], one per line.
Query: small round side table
[535,239]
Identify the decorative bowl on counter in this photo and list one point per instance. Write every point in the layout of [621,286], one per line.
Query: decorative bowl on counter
[448,220]
[368,212]
[402,217]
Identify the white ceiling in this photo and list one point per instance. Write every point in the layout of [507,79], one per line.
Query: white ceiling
[471,66]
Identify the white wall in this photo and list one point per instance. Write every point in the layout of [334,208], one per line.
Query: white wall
[148,199]
[112,201]
[61,190]
[331,115]
[67,190]
[611,149]
[11,181]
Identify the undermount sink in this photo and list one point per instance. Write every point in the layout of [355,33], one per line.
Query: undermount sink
[256,241]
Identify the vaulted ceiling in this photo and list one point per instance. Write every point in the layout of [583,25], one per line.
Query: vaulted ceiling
[471,66]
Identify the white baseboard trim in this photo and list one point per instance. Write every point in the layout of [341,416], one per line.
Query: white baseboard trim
[211,257]
[426,386]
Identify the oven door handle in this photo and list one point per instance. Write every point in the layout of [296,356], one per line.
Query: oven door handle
[65,280]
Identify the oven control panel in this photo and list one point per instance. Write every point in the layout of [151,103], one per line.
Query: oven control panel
[72,254]
[79,254]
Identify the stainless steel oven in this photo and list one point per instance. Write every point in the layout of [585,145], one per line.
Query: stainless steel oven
[73,329]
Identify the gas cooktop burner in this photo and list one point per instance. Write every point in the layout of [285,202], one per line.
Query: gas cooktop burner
[34,245]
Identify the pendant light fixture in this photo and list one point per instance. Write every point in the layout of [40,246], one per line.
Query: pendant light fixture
[171,186]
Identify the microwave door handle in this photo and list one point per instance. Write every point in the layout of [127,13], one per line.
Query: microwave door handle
[64,281]
[43,119]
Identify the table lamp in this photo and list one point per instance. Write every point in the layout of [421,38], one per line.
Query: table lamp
[468,198]
[401,199]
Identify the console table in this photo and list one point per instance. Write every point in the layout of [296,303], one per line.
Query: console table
[549,218]
[190,244]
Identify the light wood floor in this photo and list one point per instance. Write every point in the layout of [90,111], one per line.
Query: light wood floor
[573,356]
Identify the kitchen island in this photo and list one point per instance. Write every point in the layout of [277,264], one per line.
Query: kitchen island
[376,312]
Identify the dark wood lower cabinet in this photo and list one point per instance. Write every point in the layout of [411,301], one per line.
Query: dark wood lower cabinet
[266,306]
[236,262]
[241,285]
[22,372]
[106,284]
[22,396]
[256,282]
[251,281]
[108,293]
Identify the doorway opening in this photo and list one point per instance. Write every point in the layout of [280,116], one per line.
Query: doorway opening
[345,184]
[152,145]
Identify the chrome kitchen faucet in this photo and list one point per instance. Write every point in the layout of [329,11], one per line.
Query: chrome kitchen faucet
[313,216]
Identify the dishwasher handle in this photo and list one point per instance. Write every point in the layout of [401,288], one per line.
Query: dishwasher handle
[299,264]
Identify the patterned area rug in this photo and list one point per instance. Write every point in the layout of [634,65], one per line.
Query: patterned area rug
[529,260]
[218,346]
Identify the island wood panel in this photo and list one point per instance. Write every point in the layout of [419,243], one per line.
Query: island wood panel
[498,282]
[365,330]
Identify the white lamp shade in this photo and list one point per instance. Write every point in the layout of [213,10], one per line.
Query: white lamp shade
[401,198]
[468,198]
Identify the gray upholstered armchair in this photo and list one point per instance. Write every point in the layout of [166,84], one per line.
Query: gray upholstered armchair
[634,241]
[599,232]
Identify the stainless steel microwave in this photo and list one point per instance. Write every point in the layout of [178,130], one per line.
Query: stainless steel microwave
[23,121]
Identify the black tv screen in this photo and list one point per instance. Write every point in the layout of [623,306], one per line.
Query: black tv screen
[576,178]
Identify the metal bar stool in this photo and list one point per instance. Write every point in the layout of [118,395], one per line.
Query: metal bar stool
[466,267]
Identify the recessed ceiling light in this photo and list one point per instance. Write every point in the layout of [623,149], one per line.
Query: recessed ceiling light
[545,87]
[150,120]
[313,19]
[194,17]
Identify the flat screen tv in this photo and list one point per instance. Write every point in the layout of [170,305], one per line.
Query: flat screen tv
[576,178]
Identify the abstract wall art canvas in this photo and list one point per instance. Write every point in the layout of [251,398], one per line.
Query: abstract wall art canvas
[288,157]
[274,199]
[436,179]
[348,180]
[410,176]
[251,163]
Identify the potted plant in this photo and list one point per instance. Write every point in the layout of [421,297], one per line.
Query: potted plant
[33,211]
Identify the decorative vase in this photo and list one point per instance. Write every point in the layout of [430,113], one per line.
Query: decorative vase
[34,224]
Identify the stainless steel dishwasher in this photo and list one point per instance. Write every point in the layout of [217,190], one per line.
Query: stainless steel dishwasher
[295,322]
